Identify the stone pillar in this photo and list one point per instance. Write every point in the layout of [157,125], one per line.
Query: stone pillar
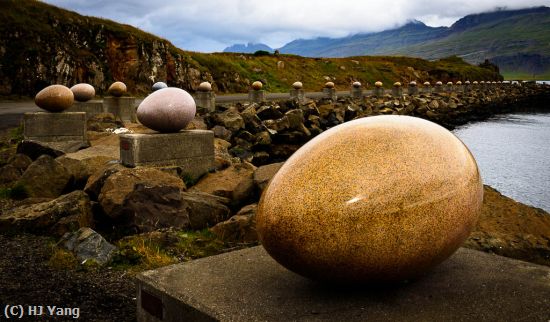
[123,108]
[298,94]
[256,96]
[190,150]
[55,127]
[438,88]
[91,108]
[356,90]
[467,86]
[459,88]
[329,91]
[427,88]
[449,88]
[413,89]
[397,90]
[205,100]
[378,89]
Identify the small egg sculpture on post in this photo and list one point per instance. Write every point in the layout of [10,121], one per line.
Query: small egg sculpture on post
[297,85]
[329,85]
[356,84]
[205,87]
[83,92]
[374,200]
[167,110]
[158,85]
[257,85]
[54,98]
[117,89]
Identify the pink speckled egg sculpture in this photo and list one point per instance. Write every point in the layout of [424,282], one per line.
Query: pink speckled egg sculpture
[167,110]
[378,199]
[54,98]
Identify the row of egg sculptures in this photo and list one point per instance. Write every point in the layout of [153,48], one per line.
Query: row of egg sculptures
[57,98]
[374,200]
[167,109]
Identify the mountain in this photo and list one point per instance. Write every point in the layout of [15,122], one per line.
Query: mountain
[518,40]
[249,48]
[41,45]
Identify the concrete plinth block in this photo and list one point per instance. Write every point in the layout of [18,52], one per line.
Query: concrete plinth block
[356,92]
[248,285]
[55,127]
[438,89]
[397,91]
[412,90]
[329,93]
[378,91]
[298,94]
[449,88]
[205,100]
[90,107]
[256,96]
[191,150]
[123,108]
[426,89]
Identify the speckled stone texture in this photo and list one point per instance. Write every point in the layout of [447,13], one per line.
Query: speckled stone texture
[205,87]
[379,199]
[83,92]
[257,85]
[54,98]
[117,89]
[158,85]
[167,110]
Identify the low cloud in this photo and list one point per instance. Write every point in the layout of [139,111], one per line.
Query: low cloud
[213,25]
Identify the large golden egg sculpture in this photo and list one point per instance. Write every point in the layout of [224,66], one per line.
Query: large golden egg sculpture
[379,199]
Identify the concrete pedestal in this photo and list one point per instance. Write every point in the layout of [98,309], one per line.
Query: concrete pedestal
[190,150]
[426,89]
[449,88]
[298,94]
[356,92]
[123,108]
[438,89]
[412,90]
[248,285]
[378,92]
[329,93]
[206,100]
[397,91]
[55,127]
[91,108]
[256,96]
[459,88]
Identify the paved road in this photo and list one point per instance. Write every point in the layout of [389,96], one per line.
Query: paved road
[11,112]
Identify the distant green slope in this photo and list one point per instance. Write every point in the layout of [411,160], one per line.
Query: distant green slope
[525,37]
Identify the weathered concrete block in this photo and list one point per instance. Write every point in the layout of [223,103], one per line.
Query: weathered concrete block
[329,93]
[206,100]
[256,96]
[123,108]
[55,127]
[297,94]
[356,92]
[248,285]
[90,107]
[397,91]
[413,90]
[191,150]
[378,91]
[426,89]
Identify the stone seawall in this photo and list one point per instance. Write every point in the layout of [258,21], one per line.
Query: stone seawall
[267,132]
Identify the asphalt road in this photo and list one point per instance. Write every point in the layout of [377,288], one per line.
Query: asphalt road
[11,112]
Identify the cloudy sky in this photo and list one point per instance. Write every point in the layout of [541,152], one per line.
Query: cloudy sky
[212,25]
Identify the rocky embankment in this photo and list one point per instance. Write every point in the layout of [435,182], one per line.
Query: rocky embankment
[56,190]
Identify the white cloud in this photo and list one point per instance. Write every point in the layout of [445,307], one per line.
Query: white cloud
[213,25]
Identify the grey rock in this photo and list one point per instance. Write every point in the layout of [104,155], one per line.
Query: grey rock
[8,174]
[35,149]
[20,161]
[203,209]
[87,245]
[222,133]
[263,174]
[230,119]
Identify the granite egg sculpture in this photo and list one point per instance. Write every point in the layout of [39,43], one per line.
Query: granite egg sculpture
[412,84]
[167,110]
[397,84]
[83,92]
[117,89]
[54,98]
[378,84]
[257,85]
[356,84]
[297,85]
[205,87]
[158,85]
[329,85]
[378,199]
[438,83]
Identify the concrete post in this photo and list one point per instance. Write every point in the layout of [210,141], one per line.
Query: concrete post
[413,89]
[55,127]
[396,90]
[378,89]
[427,88]
[205,100]
[298,94]
[123,108]
[438,88]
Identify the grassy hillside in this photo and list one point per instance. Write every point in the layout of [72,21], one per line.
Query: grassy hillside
[41,45]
